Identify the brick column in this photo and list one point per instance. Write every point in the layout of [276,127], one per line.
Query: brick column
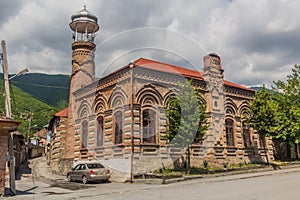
[3,154]
[215,97]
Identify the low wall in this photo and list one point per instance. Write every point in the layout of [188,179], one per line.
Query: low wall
[36,151]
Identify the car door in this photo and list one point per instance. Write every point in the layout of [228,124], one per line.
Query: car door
[76,173]
[83,172]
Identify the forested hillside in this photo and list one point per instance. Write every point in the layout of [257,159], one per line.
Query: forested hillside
[52,89]
[22,103]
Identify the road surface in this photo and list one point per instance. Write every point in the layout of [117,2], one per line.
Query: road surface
[275,185]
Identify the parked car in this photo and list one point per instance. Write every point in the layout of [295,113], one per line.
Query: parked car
[88,171]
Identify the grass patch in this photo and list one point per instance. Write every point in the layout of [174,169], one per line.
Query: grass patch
[206,169]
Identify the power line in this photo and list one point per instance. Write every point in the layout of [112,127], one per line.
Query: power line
[38,85]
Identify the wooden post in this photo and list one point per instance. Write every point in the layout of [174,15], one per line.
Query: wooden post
[6,83]
[28,134]
[11,160]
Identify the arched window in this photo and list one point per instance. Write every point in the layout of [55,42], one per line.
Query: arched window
[149,126]
[100,131]
[246,135]
[118,127]
[84,133]
[229,132]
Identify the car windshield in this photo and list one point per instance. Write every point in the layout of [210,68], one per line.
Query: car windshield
[94,166]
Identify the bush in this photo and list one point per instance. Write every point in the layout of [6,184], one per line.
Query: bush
[205,163]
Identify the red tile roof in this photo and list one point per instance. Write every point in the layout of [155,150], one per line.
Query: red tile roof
[189,73]
[62,113]
[159,66]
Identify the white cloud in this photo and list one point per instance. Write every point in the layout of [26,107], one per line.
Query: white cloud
[258,41]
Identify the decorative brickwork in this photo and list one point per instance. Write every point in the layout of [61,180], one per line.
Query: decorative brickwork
[151,90]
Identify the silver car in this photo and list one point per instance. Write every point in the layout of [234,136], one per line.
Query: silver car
[88,171]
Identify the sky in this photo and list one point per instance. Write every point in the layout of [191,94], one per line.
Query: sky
[258,40]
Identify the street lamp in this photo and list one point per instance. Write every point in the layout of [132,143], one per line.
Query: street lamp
[24,71]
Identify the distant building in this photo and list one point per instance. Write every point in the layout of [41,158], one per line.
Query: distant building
[58,143]
[123,115]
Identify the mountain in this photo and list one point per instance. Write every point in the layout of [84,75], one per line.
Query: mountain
[51,89]
[258,88]
[22,103]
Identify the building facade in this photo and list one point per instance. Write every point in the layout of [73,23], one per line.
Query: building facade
[122,116]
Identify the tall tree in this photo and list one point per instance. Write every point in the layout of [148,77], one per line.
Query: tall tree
[263,115]
[287,94]
[187,117]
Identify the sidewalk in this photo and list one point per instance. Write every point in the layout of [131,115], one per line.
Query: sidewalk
[234,175]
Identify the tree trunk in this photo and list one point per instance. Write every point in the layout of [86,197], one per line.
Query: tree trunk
[264,145]
[188,159]
[297,150]
[288,151]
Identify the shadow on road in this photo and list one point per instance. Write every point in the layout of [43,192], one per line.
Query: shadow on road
[20,192]
[24,169]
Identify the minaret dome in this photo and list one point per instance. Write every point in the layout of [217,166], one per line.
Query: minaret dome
[85,25]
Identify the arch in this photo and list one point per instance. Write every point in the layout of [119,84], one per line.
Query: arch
[117,98]
[168,95]
[230,108]
[201,99]
[84,109]
[244,109]
[149,95]
[100,104]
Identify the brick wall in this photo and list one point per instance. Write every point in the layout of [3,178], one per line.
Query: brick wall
[3,154]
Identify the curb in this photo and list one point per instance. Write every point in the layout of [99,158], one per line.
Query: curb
[249,172]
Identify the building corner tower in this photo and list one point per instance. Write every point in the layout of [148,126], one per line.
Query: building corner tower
[84,26]
[213,76]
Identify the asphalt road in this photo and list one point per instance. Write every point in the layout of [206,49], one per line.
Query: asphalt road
[280,184]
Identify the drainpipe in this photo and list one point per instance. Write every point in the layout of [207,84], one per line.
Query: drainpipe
[131,66]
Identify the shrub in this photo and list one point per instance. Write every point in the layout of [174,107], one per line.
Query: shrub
[225,165]
[205,163]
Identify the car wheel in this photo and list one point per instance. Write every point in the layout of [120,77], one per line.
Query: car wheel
[84,180]
[69,178]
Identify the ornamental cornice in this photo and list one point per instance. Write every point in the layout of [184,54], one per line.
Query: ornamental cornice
[240,93]
[167,79]
[86,90]
[113,79]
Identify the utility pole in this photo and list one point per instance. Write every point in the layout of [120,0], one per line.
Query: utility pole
[11,156]
[28,134]
[6,83]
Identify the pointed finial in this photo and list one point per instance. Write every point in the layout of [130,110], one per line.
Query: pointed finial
[84,7]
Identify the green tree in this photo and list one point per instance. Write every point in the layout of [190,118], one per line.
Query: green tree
[263,115]
[187,120]
[287,94]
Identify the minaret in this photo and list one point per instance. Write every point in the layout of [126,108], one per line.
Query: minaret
[85,25]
